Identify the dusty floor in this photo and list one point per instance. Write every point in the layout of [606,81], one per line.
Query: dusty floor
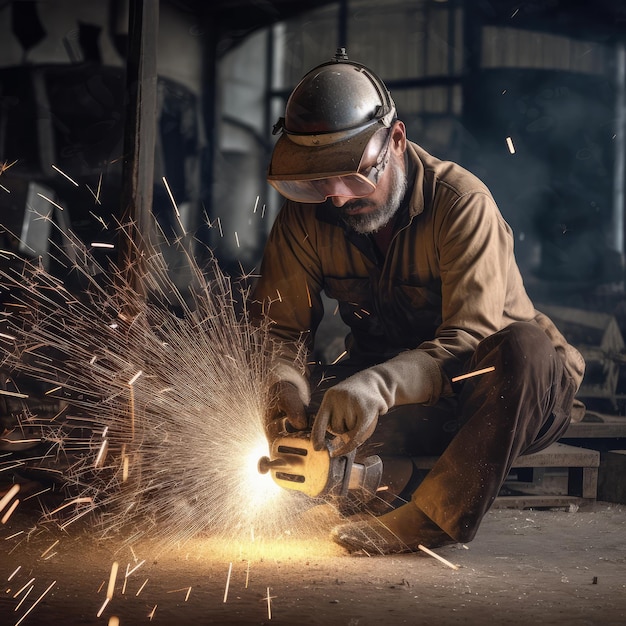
[524,567]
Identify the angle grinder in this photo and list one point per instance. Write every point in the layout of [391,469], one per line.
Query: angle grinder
[295,464]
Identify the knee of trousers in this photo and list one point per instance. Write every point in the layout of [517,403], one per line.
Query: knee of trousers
[521,346]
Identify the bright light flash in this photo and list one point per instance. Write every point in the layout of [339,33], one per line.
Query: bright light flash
[511,147]
[262,488]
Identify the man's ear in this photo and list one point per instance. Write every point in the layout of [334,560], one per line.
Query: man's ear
[398,137]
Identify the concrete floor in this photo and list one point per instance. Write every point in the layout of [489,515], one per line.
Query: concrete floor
[524,567]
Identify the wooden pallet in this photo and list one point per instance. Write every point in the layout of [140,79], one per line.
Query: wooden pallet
[582,476]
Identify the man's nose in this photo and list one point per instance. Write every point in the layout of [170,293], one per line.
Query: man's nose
[339,201]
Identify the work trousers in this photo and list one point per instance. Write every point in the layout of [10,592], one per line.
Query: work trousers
[522,406]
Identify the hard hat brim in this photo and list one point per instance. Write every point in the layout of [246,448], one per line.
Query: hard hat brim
[292,161]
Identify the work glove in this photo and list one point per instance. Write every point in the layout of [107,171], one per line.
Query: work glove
[287,410]
[351,408]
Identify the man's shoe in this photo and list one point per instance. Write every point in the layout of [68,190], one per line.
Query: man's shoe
[402,530]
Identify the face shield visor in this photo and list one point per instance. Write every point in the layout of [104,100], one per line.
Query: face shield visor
[353,170]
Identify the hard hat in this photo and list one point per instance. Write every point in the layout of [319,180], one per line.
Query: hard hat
[330,118]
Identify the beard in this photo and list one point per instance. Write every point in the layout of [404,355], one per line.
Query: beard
[374,220]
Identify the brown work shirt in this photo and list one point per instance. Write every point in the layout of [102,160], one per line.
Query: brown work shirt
[447,279]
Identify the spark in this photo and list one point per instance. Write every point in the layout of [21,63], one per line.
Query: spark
[54,167]
[5,165]
[8,496]
[5,189]
[269,604]
[19,567]
[511,147]
[112,579]
[491,368]
[145,582]
[19,591]
[48,549]
[52,202]
[101,244]
[151,614]
[166,405]
[39,599]
[436,556]
[230,569]
[10,511]
[171,195]
[19,604]
[13,394]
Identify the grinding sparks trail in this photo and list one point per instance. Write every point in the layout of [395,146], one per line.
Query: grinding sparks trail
[164,399]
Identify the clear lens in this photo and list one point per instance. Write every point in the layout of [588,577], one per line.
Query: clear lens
[352,185]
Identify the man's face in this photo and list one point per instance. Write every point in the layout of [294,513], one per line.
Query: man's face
[371,213]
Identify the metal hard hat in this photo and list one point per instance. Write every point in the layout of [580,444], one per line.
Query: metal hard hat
[330,116]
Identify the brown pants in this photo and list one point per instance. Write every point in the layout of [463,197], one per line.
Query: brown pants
[522,406]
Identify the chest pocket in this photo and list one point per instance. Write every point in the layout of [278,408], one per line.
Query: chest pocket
[356,303]
[415,313]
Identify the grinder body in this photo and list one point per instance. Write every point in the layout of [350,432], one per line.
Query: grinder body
[295,464]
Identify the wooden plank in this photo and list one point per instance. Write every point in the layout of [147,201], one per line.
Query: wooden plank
[536,501]
[560,455]
[556,455]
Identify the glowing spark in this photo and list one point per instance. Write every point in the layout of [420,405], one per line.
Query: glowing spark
[101,453]
[269,604]
[135,568]
[54,167]
[52,202]
[247,574]
[104,606]
[19,591]
[19,604]
[151,614]
[145,582]
[8,496]
[112,579]
[10,510]
[13,394]
[15,572]
[39,599]
[237,239]
[230,569]
[135,377]
[53,390]
[256,204]
[475,373]
[100,244]
[5,165]
[4,189]
[5,336]
[48,549]
[187,594]
[436,556]
[171,195]
[339,357]
[74,501]
[511,147]
[219,225]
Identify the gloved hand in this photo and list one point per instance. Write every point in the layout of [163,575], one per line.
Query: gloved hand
[286,406]
[351,408]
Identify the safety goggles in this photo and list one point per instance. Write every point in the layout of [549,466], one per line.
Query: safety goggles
[318,188]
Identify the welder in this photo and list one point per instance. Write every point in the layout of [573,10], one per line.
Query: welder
[420,261]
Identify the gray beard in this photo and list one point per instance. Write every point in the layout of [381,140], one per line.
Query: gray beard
[372,222]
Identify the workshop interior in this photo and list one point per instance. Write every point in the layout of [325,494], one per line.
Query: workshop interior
[529,96]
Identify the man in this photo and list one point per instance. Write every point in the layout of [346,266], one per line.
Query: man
[421,263]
